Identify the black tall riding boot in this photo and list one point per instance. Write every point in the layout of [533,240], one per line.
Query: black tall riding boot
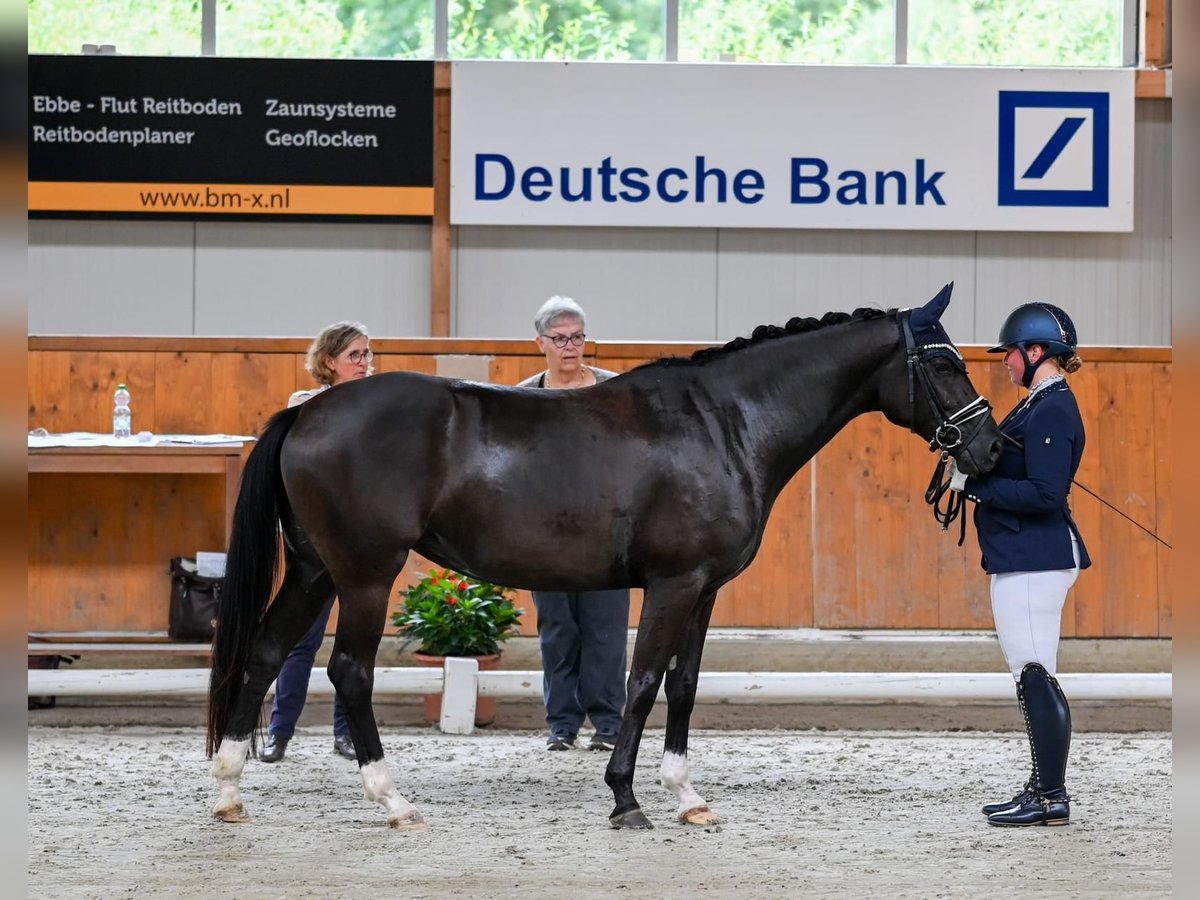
[1026,793]
[1048,724]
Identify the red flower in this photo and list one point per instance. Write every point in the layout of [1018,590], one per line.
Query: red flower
[462,585]
[452,600]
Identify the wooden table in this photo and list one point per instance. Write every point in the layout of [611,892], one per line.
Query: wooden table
[178,459]
[104,522]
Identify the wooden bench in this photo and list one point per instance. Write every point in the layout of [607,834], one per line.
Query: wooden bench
[79,643]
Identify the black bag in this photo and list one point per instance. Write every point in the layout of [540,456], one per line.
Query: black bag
[194,602]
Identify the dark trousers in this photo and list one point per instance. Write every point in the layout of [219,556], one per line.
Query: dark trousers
[583,637]
[291,687]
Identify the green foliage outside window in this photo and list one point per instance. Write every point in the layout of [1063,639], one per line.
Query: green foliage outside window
[1015,32]
[954,32]
[143,27]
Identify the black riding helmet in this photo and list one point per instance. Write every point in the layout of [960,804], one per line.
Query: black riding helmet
[1037,323]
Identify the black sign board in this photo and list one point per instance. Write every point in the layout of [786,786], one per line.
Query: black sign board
[200,137]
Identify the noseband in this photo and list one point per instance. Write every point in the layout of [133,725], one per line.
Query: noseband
[948,436]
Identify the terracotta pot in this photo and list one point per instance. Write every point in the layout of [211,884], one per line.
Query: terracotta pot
[485,707]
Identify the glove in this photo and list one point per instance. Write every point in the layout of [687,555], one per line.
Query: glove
[958,480]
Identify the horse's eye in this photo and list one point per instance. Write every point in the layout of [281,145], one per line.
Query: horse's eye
[942,367]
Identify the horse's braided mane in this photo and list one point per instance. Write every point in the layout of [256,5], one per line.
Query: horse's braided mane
[795,325]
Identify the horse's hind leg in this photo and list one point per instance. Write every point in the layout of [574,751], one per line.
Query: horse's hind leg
[665,606]
[362,613]
[305,588]
[682,677]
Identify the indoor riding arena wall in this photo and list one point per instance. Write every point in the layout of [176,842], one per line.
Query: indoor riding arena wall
[850,543]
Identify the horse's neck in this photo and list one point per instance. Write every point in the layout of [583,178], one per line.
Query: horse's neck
[805,389]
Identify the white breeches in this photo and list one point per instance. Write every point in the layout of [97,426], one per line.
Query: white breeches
[1027,607]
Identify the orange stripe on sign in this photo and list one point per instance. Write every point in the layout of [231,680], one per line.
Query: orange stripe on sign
[248,199]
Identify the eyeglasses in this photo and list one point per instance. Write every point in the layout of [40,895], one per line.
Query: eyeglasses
[561,340]
[357,356]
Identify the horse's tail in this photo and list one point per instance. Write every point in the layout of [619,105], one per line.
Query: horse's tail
[250,570]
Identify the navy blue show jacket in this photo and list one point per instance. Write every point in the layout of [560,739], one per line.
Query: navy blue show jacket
[1021,512]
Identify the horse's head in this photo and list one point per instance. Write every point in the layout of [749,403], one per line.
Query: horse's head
[934,397]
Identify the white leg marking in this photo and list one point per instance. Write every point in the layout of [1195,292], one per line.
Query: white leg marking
[692,808]
[227,769]
[378,786]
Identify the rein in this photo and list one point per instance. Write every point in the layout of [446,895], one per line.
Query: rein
[955,501]
[1088,490]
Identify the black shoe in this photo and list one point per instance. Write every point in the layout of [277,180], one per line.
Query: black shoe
[560,742]
[343,745]
[274,748]
[1027,794]
[603,741]
[1051,808]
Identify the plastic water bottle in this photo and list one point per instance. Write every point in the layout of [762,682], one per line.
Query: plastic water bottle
[122,417]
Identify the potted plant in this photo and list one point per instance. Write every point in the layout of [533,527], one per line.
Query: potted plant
[450,614]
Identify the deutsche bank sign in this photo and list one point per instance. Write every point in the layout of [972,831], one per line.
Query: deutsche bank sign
[1054,148]
[679,145]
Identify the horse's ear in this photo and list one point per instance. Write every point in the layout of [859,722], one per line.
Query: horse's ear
[931,312]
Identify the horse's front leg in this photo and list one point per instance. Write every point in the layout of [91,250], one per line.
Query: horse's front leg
[664,608]
[682,677]
[362,614]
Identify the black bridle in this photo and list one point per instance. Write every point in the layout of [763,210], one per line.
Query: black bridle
[949,435]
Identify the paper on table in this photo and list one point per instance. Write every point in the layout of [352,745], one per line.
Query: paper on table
[41,438]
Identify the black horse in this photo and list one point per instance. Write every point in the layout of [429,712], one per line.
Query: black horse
[662,478]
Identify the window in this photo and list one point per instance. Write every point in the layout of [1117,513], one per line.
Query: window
[141,27]
[567,29]
[1078,33]
[811,31]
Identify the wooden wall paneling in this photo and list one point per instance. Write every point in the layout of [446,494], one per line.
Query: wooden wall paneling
[1162,481]
[117,535]
[869,503]
[184,392]
[406,362]
[895,593]
[248,388]
[1126,457]
[776,590]
[50,395]
[921,539]
[1083,614]
[92,377]
[838,473]
[1154,25]
[510,370]
[441,232]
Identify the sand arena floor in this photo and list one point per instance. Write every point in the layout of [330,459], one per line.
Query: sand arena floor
[124,811]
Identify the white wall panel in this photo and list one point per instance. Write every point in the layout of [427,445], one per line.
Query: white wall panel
[634,283]
[95,277]
[766,277]
[293,279]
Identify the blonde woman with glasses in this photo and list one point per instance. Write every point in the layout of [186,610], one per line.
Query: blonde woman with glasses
[340,353]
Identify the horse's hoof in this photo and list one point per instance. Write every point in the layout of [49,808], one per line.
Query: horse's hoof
[635,818]
[412,821]
[233,814]
[699,815]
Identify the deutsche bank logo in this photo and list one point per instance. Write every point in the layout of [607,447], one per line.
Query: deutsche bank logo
[1053,148]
